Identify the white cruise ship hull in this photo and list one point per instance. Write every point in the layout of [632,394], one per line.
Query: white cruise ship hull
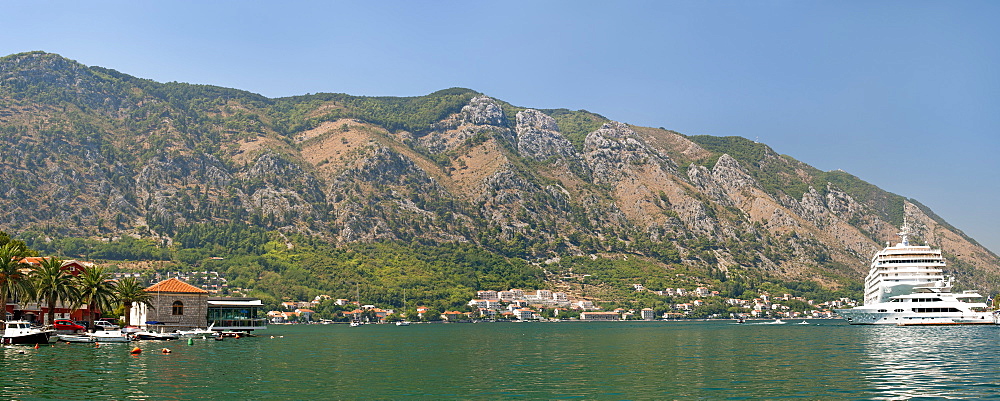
[866,316]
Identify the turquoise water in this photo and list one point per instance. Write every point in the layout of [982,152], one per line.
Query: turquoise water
[613,360]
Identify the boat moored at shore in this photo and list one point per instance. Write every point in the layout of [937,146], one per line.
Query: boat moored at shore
[23,333]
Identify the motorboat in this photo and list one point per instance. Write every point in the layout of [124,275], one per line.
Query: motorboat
[906,286]
[235,334]
[403,323]
[150,334]
[109,336]
[22,332]
[77,338]
[155,335]
[198,333]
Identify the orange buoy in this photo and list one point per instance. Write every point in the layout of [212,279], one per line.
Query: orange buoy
[166,351]
[135,351]
[36,346]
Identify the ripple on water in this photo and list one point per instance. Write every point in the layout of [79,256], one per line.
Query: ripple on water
[675,360]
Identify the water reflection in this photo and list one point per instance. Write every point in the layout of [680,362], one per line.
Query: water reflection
[931,362]
[690,360]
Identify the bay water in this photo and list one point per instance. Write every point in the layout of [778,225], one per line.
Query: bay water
[714,360]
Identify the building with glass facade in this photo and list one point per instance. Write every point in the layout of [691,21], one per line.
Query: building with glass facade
[237,314]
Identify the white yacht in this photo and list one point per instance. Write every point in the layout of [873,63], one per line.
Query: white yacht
[906,286]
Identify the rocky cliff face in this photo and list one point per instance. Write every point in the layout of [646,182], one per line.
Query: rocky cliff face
[91,152]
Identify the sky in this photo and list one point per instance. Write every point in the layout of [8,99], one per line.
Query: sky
[903,94]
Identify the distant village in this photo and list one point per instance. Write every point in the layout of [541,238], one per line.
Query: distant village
[548,305]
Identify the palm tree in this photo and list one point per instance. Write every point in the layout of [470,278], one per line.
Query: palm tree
[13,282]
[96,289]
[128,292]
[53,284]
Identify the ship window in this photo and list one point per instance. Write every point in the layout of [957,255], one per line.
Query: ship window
[883,310]
[178,308]
[898,310]
[935,310]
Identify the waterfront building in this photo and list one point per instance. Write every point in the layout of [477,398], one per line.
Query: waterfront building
[648,314]
[238,314]
[175,304]
[599,316]
[180,306]
[524,314]
[36,312]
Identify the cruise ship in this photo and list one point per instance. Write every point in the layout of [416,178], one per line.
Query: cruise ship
[906,286]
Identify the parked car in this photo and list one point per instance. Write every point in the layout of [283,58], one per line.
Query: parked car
[66,324]
[105,325]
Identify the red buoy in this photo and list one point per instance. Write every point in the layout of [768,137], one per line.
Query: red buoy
[135,351]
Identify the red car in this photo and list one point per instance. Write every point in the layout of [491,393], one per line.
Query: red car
[66,324]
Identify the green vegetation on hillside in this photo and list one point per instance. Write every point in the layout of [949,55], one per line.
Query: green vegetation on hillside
[575,125]
[414,114]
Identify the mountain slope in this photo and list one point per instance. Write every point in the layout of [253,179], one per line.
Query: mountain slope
[90,152]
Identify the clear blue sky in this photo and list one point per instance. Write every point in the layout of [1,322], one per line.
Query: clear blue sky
[904,94]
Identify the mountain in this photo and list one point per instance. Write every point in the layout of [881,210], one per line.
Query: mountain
[91,153]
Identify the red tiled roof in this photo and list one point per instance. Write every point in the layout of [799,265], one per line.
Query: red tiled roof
[34,260]
[174,285]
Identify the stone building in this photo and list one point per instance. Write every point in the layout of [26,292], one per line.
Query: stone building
[176,305]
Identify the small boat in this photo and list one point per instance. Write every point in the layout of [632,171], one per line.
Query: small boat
[355,323]
[198,333]
[803,322]
[108,336]
[235,334]
[21,332]
[149,334]
[77,338]
[777,321]
[153,335]
[403,323]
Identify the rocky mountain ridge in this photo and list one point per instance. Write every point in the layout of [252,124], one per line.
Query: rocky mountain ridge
[90,152]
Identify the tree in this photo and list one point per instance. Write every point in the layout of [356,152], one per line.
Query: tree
[52,284]
[129,291]
[13,282]
[19,245]
[96,289]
